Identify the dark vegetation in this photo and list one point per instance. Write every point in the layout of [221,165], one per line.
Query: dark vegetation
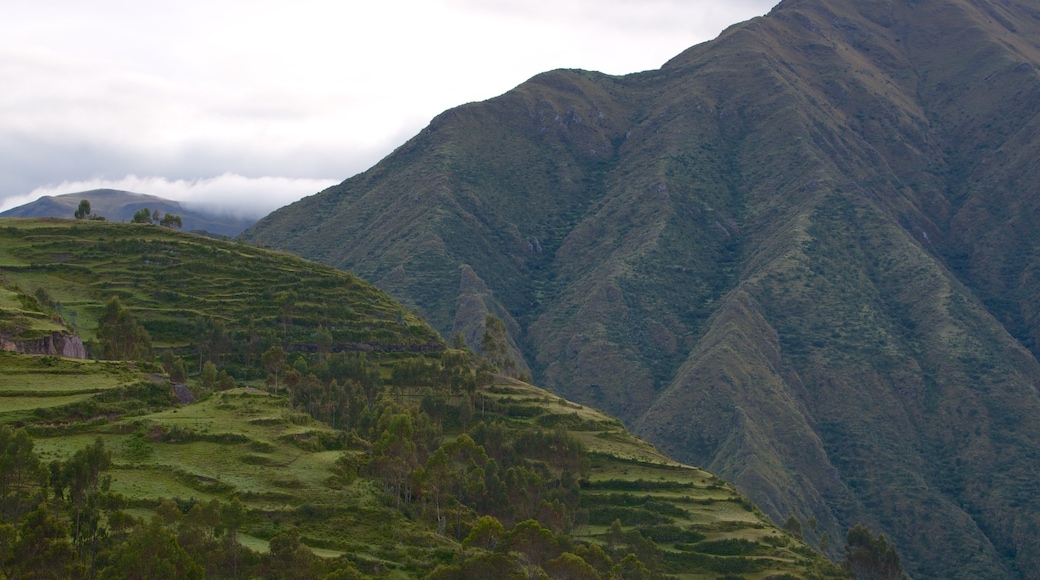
[345,439]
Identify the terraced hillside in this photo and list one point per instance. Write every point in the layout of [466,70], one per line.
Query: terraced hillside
[565,475]
[171,281]
[802,255]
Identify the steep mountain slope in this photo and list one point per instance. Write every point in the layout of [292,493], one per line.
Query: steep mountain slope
[117,205]
[800,255]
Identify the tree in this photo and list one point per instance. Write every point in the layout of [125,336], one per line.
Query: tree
[274,361]
[142,216]
[44,298]
[208,377]
[120,336]
[8,536]
[596,557]
[395,456]
[534,541]
[21,474]
[292,380]
[570,567]
[495,347]
[170,220]
[82,476]
[794,527]
[232,517]
[288,307]
[323,340]
[153,553]
[455,471]
[83,211]
[631,568]
[42,549]
[485,534]
[615,535]
[178,373]
[288,558]
[870,558]
[212,339]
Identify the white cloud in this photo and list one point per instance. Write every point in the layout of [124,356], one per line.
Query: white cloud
[309,89]
[227,194]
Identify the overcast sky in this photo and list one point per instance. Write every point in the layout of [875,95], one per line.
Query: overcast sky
[257,103]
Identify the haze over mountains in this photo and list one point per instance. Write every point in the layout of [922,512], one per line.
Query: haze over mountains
[804,256]
[117,205]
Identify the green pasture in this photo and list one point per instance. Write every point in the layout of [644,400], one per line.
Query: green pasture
[14,408]
[240,442]
[31,383]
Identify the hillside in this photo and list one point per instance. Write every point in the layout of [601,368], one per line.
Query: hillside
[800,255]
[115,205]
[382,456]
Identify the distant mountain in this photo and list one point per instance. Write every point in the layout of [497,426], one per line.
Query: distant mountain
[805,255]
[116,205]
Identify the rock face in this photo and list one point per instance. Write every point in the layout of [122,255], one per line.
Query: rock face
[57,343]
[804,255]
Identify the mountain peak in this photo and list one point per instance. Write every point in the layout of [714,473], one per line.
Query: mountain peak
[800,255]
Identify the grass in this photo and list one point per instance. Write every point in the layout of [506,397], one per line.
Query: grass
[204,469]
[236,443]
[169,279]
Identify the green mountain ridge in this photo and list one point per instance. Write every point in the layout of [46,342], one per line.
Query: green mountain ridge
[801,255]
[333,485]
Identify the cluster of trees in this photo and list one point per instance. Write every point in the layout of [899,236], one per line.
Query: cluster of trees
[494,346]
[147,216]
[509,494]
[529,550]
[425,436]
[61,521]
[870,558]
[451,484]
[83,212]
[119,336]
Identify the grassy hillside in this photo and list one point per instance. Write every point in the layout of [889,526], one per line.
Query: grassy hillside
[23,317]
[798,255]
[170,281]
[334,487]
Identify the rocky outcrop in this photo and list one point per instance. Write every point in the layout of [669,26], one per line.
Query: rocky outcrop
[56,343]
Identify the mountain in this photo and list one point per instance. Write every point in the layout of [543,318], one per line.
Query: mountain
[372,451]
[116,205]
[803,255]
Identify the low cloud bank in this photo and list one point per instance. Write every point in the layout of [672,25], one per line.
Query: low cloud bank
[227,194]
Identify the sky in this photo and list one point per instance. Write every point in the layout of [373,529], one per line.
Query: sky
[245,106]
